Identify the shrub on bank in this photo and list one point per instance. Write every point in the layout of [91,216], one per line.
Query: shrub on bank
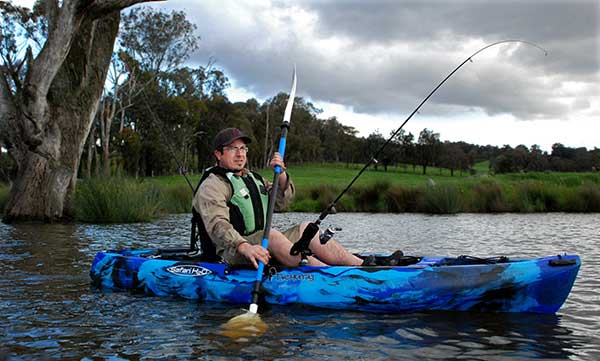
[117,200]
[176,199]
[583,199]
[371,198]
[402,199]
[487,197]
[535,196]
[128,200]
[441,200]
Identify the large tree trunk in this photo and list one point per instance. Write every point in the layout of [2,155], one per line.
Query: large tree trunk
[46,119]
[47,173]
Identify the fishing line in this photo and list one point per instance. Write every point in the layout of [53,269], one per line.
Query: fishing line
[311,230]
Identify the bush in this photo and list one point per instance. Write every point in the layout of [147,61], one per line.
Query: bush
[371,198]
[583,199]
[536,197]
[117,200]
[488,197]
[442,200]
[176,199]
[590,194]
[401,199]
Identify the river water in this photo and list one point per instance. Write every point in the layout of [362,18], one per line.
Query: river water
[48,310]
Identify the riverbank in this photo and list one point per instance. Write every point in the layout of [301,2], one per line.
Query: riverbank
[399,189]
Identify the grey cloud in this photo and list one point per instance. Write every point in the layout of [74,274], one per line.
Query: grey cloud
[521,82]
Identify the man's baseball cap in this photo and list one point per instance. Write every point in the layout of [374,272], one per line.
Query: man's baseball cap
[228,135]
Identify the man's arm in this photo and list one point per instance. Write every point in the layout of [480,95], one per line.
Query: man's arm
[285,188]
[211,202]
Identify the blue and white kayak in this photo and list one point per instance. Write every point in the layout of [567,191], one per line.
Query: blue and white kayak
[538,285]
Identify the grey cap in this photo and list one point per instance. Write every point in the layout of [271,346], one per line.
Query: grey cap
[228,136]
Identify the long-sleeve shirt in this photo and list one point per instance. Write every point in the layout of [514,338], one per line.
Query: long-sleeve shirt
[211,201]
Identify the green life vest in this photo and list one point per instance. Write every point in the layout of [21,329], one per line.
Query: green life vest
[250,197]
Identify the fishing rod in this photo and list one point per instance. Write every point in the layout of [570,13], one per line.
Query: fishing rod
[302,245]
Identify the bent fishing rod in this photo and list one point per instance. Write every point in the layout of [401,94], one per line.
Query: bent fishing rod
[302,245]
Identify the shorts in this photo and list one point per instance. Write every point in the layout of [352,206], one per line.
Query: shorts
[230,255]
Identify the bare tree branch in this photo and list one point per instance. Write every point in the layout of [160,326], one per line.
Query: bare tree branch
[96,8]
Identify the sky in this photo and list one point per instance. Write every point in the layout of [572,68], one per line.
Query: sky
[370,63]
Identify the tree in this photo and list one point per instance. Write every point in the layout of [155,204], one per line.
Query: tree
[375,141]
[151,42]
[428,145]
[48,101]
[453,157]
[538,160]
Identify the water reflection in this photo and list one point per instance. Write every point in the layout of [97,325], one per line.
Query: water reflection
[49,309]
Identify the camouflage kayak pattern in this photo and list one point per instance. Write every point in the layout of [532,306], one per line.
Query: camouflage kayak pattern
[539,285]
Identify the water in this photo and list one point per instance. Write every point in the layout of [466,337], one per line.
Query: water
[49,310]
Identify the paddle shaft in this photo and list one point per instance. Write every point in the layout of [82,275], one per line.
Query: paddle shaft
[285,126]
[273,197]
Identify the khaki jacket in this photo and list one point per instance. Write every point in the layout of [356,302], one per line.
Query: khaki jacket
[211,200]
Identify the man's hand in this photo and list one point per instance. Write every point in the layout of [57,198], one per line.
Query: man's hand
[277,161]
[254,253]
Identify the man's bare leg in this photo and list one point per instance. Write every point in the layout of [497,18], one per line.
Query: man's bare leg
[332,252]
[280,246]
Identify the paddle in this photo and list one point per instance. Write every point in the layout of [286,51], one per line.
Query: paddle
[250,321]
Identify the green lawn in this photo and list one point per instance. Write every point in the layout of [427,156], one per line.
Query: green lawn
[339,174]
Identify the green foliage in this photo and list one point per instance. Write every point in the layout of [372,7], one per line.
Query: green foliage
[176,199]
[157,39]
[371,198]
[117,200]
[532,196]
[402,199]
[128,200]
[487,197]
[442,200]
[583,199]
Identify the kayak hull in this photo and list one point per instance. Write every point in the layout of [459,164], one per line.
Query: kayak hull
[538,285]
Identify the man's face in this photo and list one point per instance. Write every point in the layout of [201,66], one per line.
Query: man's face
[233,156]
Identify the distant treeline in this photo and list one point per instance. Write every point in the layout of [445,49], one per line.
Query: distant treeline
[183,125]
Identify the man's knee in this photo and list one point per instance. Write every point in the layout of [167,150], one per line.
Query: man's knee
[277,236]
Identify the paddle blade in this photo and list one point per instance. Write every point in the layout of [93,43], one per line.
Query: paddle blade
[245,325]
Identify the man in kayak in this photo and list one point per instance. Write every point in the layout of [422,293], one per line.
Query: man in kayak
[230,206]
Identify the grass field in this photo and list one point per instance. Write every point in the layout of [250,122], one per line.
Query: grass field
[339,175]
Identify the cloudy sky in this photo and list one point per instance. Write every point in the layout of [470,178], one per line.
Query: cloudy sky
[370,63]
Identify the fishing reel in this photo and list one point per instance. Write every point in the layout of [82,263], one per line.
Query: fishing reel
[329,232]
